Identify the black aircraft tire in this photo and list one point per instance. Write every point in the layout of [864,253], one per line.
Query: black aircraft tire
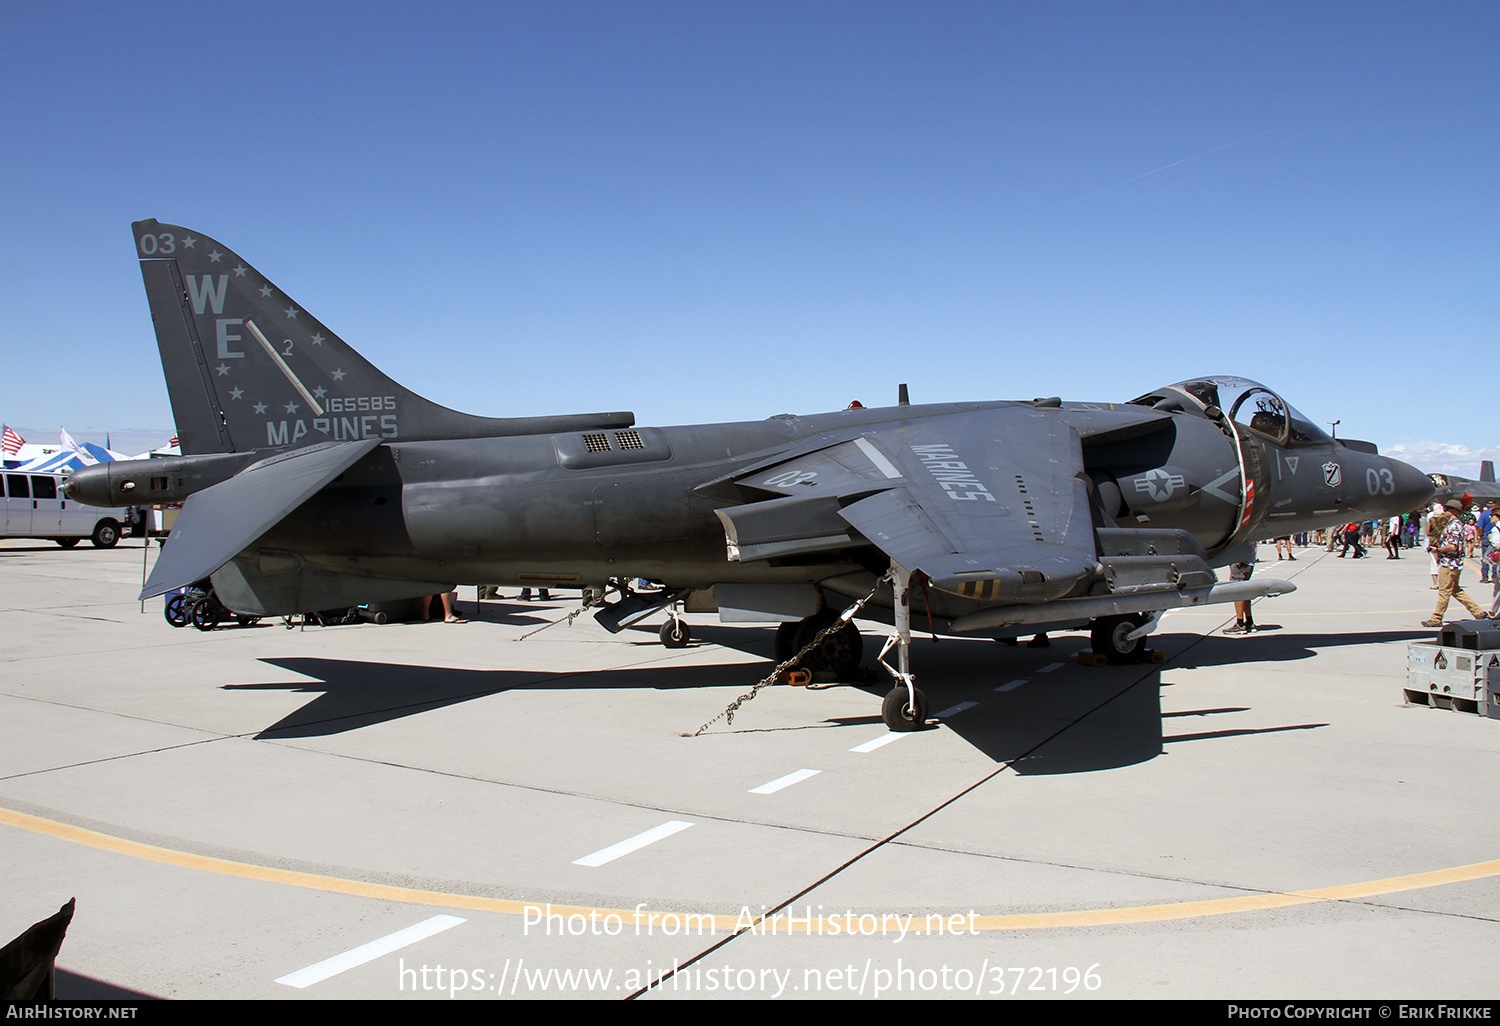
[786,633]
[675,634]
[840,654]
[204,614]
[1108,638]
[898,715]
[67,543]
[176,610]
[106,533]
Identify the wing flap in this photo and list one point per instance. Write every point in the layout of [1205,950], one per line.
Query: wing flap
[220,521]
[784,527]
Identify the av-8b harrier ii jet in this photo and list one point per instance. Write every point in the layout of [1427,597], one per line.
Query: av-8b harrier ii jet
[310,480]
[1484,490]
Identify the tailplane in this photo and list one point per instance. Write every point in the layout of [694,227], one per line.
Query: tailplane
[247,368]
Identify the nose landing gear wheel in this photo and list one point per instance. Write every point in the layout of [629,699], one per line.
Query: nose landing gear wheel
[898,713]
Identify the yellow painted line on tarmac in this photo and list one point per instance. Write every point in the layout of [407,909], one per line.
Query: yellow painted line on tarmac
[1243,903]
[249,871]
[644,919]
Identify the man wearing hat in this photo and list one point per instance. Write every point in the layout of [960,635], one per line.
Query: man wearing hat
[1448,547]
[1487,567]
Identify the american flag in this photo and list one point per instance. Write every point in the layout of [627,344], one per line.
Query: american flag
[172,440]
[13,441]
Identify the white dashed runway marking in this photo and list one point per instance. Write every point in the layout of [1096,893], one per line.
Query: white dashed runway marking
[631,844]
[369,952]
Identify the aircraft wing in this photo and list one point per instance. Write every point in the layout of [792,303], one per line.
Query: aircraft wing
[990,504]
[220,521]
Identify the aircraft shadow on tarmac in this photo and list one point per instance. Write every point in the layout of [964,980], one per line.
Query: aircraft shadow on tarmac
[1077,719]
[355,694]
[77,987]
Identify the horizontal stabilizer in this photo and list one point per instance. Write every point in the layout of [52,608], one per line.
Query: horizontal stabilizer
[220,521]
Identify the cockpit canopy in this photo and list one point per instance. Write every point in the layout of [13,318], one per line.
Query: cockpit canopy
[1251,405]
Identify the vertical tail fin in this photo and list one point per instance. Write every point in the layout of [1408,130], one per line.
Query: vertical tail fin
[247,368]
[1487,470]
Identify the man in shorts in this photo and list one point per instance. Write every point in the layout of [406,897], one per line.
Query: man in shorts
[1244,623]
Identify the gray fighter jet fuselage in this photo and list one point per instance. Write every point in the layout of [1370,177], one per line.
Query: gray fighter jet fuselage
[312,481]
[1482,490]
[542,508]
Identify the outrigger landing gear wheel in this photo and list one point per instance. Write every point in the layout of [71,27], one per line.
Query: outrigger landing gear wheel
[897,711]
[1108,637]
[675,633]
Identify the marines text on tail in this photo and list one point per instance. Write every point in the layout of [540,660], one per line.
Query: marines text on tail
[310,480]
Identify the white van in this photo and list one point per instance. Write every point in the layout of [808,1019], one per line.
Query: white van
[35,508]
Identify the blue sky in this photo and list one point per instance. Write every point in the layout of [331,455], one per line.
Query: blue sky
[708,211]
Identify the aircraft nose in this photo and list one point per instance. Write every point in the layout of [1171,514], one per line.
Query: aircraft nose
[89,486]
[1413,488]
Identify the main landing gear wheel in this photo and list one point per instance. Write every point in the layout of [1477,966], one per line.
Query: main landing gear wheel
[897,711]
[1108,637]
[840,653]
[675,633]
[785,632]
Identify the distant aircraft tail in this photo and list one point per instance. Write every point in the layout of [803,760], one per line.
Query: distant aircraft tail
[247,368]
[1487,470]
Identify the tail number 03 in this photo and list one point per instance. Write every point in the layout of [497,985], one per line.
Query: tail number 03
[153,244]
